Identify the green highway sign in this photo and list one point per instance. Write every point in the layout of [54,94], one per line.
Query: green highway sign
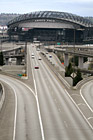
[58,43]
[20,75]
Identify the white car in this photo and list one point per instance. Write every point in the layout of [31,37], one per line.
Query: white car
[33,56]
[39,58]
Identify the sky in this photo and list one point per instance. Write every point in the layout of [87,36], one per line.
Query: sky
[78,7]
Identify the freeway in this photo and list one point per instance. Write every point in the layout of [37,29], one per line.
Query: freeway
[44,113]
[61,120]
[26,122]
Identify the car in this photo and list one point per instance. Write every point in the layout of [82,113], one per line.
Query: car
[33,56]
[50,56]
[46,52]
[38,49]
[36,67]
[39,58]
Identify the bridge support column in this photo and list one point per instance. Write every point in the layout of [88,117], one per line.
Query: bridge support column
[80,62]
[6,61]
[18,60]
[66,60]
[18,51]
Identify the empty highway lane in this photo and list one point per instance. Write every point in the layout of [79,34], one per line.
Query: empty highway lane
[60,117]
[46,112]
[26,122]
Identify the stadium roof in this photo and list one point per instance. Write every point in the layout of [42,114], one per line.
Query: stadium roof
[53,15]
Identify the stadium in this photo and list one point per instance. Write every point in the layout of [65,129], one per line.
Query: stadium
[53,27]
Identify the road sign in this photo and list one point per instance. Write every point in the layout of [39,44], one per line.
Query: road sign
[73,75]
[20,75]
[58,43]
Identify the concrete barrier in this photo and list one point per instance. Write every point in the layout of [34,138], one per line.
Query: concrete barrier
[2,95]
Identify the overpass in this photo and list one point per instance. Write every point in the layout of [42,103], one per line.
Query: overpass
[18,57]
[76,52]
[17,52]
[67,51]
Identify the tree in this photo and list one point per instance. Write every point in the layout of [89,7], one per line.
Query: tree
[60,56]
[69,70]
[75,60]
[77,78]
[85,59]
[90,66]
[1,59]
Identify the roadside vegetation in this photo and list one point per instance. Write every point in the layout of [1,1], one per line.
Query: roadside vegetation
[77,78]
[1,59]
[69,71]
[75,59]
[60,56]
[90,66]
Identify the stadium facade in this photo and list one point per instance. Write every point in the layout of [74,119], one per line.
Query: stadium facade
[52,26]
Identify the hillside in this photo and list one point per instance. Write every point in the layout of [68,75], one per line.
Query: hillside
[5,18]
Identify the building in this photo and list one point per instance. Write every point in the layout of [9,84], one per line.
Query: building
[52,26]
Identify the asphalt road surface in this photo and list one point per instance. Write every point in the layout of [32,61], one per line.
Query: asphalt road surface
[61,119]
[26,122]
[87,92]
[44,113]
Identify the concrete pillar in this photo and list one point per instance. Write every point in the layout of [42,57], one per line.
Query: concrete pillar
[18,60]
[66,60]
[16,51]
[6,61]
[80,62]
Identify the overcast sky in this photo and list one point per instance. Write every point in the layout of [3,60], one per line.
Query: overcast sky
[79,7]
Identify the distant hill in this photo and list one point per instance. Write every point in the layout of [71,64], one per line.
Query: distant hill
[5,18]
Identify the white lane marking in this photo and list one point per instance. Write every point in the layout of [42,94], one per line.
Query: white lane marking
[66,83]
[79,109]
[38,107]
[84,98]
[81,104]
[90,118]
[15,118]
[21,83]
[28,87]
[60,77]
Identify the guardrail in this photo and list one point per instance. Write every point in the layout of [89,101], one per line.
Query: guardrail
[2,95]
